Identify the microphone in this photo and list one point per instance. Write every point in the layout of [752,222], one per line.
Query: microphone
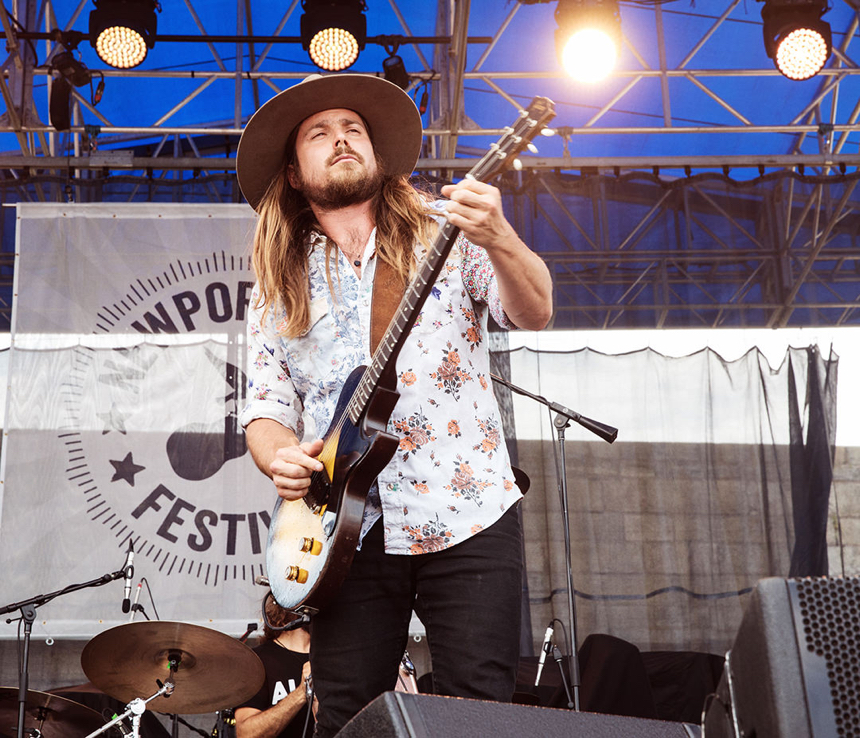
[547,642]
[128,568]
[136,599]
[259,579]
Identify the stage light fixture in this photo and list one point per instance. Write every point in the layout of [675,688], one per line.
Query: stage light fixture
[795,36]
[334,32]
[123,31]
[588,37]
[71,72]
[394,70]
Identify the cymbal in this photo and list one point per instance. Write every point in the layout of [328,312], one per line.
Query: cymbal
[215,671]
[85,688]
[53,716]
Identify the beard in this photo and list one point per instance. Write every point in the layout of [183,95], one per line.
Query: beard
[350,185]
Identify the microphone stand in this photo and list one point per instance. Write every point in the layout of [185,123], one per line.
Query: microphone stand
[136,708]
[28,615]
[607,433]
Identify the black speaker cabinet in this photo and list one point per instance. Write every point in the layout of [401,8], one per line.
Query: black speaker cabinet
[794,668]
[401,715]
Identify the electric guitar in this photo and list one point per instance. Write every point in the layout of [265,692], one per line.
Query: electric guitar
[312,540]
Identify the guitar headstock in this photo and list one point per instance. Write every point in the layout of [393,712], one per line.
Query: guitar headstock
[516,137]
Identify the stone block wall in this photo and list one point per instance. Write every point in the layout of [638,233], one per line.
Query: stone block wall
[843,532]
[663,535]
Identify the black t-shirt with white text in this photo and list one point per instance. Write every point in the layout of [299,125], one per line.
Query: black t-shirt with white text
[283,675]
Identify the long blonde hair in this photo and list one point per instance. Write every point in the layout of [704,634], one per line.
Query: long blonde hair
[401,214]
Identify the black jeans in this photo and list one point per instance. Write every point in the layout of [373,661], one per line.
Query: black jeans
[468,598]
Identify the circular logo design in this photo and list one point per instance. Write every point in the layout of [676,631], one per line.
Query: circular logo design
[153,441]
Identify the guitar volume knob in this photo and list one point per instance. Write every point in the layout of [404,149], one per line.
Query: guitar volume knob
[296,574]
[311,546]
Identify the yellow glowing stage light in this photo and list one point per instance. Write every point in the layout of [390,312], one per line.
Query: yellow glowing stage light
[589,55]
[795,36]
[588,37]
[123,31]
[334,32]
[121,47]
[333,49]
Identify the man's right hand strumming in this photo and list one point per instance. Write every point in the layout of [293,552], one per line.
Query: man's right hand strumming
[292,467]
[278,454]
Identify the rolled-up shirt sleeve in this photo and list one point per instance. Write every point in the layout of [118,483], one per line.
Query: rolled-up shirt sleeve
[270,393]
[480,280]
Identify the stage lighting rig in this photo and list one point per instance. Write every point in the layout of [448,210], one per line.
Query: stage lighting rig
[796,37]
[123,31]
[588,37]
[394,70]
[334,32]
[71,72]
[74,71]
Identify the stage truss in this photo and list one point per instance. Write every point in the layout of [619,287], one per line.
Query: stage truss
[672,112]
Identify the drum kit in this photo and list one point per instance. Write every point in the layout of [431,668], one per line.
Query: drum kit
[162,666]
[168,667]
[49,714]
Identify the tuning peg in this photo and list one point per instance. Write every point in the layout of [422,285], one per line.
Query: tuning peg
[531,147]
[547,131]
[518,165]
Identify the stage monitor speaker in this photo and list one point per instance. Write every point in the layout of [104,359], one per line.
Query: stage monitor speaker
[402,715]
[794,668]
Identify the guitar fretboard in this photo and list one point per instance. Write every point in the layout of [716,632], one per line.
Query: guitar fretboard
[403,320]
[515,139]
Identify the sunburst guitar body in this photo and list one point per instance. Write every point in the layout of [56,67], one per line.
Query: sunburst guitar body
[312,540]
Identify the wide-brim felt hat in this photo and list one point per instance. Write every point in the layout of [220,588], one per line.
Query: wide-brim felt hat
[394,121]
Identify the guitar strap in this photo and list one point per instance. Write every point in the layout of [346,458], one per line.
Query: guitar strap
[388,291]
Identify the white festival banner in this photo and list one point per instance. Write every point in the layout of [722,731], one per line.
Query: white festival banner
[126,373]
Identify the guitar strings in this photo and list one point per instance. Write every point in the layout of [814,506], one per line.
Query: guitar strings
[355,407]
[329,450]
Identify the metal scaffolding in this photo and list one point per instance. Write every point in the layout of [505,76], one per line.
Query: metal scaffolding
[678,106]
[699,252]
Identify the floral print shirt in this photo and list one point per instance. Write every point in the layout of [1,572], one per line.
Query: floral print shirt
[451,476]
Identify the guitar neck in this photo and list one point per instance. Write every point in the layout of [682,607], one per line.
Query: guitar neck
[516,137]
[404,319]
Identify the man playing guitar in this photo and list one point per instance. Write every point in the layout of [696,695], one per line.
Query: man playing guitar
[326,164]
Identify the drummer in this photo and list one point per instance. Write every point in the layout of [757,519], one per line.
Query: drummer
[279,709]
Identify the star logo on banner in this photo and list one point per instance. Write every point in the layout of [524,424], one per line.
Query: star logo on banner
[126,469]
[114,420]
